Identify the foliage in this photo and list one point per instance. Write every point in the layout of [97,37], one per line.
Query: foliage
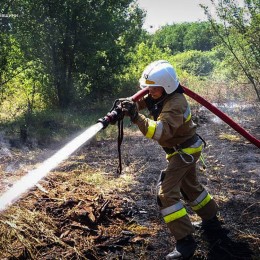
[49,126]
[199,36]
[4,45]
[197,63]
[171,36]
[143,54]
[83,54]
[80,44]
[185,36]
[239,34]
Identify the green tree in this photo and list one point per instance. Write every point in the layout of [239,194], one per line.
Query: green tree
[171,36]
[199,36]
[5,43]
[239,32]
[185,36]
[197,63]
[139,57]
[81,44]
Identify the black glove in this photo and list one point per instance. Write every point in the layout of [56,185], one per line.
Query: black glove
[130,109]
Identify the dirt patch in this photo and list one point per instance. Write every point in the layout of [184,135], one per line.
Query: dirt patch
[83,211]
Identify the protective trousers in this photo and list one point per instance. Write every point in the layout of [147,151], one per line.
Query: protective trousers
[178,180]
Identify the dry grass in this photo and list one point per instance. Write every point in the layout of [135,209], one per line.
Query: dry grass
[27,231]
[50,219]
[229,137]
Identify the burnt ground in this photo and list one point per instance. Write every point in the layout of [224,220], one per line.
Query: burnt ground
[84,211]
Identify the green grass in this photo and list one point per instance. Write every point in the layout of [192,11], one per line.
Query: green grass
[50,126]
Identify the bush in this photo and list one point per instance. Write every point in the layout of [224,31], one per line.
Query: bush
[197,63]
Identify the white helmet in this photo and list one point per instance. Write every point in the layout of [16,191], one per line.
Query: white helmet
[160,74]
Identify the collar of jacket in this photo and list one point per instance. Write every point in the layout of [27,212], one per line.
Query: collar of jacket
[155,105]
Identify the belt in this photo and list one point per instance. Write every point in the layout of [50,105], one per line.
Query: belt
[183,145]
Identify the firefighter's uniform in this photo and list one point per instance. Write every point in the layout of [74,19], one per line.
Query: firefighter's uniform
[173,128]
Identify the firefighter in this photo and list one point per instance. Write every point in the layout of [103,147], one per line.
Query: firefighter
[173,128]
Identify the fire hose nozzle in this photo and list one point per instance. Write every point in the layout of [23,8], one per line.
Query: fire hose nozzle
[116,112]
[104,121]
[111,117]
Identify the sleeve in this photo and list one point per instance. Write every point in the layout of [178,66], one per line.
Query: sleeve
[141,104]
[164,129]
[170,121]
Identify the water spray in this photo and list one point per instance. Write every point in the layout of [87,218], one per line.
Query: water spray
[34,176]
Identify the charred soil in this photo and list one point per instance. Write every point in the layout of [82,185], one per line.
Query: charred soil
[83,210]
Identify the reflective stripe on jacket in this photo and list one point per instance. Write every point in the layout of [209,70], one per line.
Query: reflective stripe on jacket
[173,126]
[195,148]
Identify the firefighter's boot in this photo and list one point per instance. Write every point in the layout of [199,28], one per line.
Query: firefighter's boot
[211,225]
[212,230]
[184,249]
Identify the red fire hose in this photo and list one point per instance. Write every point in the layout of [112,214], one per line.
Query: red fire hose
[138,95]
[222,116]
[213,109]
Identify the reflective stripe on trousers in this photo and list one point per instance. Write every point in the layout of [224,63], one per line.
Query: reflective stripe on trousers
[202,200]
[173,212]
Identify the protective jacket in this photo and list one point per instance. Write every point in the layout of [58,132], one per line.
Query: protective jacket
[171,125]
